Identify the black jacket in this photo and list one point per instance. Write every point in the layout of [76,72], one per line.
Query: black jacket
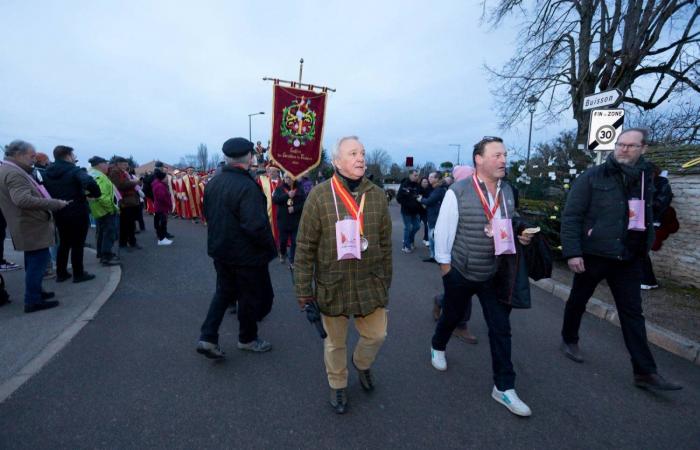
[432,204]
[280,197]
[662,197]
[408,197]
[67,181]
[596,214]
[238,228]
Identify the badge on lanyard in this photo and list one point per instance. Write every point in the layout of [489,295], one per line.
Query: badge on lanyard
[636,212]
[500,230]
[349,232]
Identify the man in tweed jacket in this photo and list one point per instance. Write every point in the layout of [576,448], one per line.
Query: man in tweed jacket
[348,288]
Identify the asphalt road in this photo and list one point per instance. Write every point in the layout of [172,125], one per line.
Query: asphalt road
[132,378]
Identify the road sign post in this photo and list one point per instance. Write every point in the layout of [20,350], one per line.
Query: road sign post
[601,99]
[603,130]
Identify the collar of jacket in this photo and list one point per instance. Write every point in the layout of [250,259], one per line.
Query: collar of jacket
[237,170]
[18,164]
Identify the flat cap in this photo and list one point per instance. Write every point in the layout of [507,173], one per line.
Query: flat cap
[95,160]
[237,147]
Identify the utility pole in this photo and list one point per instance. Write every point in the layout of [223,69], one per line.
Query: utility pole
[459,149]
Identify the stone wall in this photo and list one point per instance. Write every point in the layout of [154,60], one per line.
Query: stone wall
[679,257]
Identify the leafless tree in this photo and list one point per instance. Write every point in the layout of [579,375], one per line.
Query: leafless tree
[676,127]
[567,48]
[202,157]
[379,158]
[214,160]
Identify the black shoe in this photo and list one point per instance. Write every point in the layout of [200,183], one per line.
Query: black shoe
[34,307]
[365,378]
[60,278]
[5,300]
[655,382]
[339,400]
[136,246]
[571,351]
[47,295]
[431,260]
[84,277]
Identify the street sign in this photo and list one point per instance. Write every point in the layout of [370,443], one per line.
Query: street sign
[605,127]
[606,98]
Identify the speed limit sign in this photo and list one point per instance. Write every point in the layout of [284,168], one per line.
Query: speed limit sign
[605,127]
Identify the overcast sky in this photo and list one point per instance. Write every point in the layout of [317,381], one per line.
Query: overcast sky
[153,79]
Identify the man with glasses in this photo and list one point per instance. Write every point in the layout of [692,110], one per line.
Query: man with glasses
[466,251]
[606,231]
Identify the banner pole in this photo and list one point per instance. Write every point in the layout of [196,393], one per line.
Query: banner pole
[301,68]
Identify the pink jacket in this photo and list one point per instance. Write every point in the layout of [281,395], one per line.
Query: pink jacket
[162,202]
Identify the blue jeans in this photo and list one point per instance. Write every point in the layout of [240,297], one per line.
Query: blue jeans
[431,239]
[411,225]
[106,233]
[35,263]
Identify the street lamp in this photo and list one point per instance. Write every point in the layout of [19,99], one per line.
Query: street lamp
[531,106]
[250,135]
[459,148]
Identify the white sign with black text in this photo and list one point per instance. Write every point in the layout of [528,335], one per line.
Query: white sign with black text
[606,125]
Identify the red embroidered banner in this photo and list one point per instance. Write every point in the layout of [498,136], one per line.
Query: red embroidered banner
[297,129]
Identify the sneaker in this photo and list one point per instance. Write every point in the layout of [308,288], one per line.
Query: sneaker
[406,249]
[9,266]
[339,400]
[84,277]
[510,400]
[426,243]
[365,377]
[648,287]
[210,350]
[282,259]
[437,359]
[257,346]
[165,241]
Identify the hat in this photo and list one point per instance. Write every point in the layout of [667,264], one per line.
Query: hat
[237,147]
[95,160]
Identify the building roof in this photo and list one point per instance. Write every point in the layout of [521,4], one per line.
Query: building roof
[149,166]
[673,159]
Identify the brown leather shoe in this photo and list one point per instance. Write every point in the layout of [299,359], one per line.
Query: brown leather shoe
[465,335]
[655,382]
[436,308]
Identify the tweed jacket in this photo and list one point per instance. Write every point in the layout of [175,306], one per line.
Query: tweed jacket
[349,287]
[27,212]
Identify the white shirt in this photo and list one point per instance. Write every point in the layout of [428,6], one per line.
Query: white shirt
[448,218]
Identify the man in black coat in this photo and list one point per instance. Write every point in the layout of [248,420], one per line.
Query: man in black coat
[66,181]
[599,243]
[408,198]
[239,240]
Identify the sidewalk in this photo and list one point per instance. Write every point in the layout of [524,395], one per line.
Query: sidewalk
[672,313]
[29,341]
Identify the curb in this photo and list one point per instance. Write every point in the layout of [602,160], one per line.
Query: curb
[59,342]
[661,337]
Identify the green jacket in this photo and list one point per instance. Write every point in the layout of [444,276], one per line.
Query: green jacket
[106,203]
[349,287]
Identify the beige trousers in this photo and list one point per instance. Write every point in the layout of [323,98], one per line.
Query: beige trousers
[372,329]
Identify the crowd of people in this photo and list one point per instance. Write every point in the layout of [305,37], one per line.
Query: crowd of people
[343,260]
[336,238]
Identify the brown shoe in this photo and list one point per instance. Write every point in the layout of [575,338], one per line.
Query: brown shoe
[436,308]
[465,335]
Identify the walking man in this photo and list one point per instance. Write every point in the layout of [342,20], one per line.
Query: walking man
[27,208]
[606,232]
[465,250]
[344,249]
[239,240]
[407,197]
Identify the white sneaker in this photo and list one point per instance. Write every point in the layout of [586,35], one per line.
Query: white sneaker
[406,250]
[426,243]
[648,287]
[510,400]
[165,241]
[437,359]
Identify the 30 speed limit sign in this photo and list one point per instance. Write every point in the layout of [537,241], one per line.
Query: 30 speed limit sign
[605,127]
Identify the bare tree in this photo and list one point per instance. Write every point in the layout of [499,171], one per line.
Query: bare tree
[188,161]
[202,157]
[427,169]
[647,49]
[379,158]
[214,160]
[677,127]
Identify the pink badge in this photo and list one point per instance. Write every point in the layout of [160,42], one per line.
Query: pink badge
[347,239]
[503,238]
[636,212]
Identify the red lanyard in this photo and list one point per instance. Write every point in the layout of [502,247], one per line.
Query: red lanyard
[349,202]
[484,203]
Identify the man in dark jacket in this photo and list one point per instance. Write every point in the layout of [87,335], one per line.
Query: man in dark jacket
[289,198]
[432,205]
[239,240]
[408,198]
[599,243]
[465,249]
[66,181]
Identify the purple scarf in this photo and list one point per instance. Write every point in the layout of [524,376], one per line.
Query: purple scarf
[42,190]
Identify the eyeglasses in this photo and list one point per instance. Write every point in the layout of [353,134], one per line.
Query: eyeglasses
[631,146]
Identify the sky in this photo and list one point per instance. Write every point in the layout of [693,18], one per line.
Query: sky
[154,79]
